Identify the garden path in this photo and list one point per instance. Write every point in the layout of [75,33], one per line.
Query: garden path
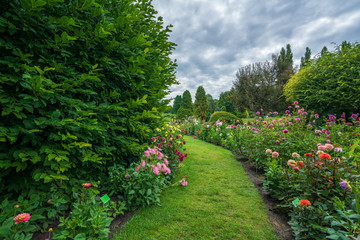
[219,202]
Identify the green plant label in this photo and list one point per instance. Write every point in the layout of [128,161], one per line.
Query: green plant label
[296,202]
[105,198]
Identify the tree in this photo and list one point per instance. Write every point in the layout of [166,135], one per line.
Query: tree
[330,83]
[211,103]
[284,65]
[224,103]
[324,50]
[177,104]
[306,59]
[201,106]
[255,87]
[186,109]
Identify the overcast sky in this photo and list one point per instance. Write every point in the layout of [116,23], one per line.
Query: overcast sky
[217,37]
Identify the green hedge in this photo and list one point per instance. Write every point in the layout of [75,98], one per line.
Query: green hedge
[330,83]
[82,84]
[223,116]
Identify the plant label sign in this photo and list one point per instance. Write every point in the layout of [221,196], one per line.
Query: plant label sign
[105,198]
[296,202]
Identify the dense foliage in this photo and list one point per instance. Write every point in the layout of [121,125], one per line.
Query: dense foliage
[81,87]
[330,83]
[82,84]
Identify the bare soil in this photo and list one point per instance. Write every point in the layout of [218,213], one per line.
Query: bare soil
[119,222]
[278,219]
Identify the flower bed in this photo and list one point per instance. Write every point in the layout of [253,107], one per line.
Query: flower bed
[90,211]
[303,157]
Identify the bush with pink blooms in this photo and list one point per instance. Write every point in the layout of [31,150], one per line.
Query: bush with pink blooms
[141,183]
[301,154]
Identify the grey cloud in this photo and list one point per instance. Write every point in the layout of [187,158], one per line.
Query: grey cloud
[215,38]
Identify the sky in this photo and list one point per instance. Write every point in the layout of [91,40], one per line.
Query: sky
[215,38]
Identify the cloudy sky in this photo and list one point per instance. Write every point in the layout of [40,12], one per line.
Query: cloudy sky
[217,37]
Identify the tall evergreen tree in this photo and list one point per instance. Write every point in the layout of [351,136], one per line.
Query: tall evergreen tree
[284,65]
[306,59]
[177,104]
[186,109]
[289,55]
[211,103]
[201,106]
[224,103]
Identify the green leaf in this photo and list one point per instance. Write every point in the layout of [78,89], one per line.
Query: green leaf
[80,236]
[149,192]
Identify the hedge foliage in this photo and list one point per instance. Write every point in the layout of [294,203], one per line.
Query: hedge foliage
[330,83]
[223,116]
[82,84]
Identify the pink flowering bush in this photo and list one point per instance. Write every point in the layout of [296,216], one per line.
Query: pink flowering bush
[142,182]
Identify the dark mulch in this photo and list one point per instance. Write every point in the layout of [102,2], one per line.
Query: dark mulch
[278,219]
[118,223]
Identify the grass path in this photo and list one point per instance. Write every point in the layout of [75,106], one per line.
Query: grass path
[219,202]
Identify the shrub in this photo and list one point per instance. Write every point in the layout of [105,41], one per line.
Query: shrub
[330,83]
[245,114]
[223,116]
[81,88]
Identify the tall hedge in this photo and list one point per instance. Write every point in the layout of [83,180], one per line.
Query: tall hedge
[330,83]
[82,84]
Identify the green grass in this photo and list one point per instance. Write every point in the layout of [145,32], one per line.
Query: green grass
[219,202]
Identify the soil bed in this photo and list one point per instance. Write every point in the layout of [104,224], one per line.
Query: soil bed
[278,219]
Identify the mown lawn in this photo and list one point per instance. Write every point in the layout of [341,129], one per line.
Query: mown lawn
[219,202]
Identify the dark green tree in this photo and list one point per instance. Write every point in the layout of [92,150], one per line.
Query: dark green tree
[224,103]
[255,87]
[330,83]
[212,104]
[306,58]
[177,104]
[186,109]
[324,50]
[201,106]
[284,65]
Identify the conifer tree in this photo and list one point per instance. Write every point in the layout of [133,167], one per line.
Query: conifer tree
[186,108]
[177,104]
[201,106]
[306,59]
[211,103]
